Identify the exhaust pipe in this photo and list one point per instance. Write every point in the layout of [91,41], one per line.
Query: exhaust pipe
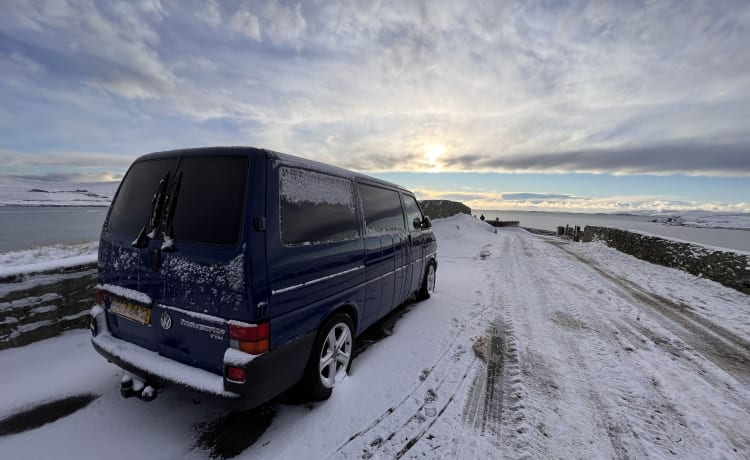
[130,387]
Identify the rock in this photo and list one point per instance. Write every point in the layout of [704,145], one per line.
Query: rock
[439,209]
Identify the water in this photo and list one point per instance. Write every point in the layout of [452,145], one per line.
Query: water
[28,227]
[731,239]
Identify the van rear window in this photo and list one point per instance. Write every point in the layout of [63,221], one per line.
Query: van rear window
[211,199]
[315,207]
[130,209]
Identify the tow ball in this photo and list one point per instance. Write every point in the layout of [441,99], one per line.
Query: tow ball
[130,387]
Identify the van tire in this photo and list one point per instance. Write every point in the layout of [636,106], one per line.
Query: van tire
[428,283]
[335,337]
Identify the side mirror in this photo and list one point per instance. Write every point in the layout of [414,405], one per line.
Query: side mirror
[422,223]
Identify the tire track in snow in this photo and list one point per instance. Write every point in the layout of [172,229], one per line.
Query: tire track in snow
[400,427]
[654,416]
[639,417]
[726,349]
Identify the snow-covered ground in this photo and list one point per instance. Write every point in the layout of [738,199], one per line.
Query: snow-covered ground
[531,347]
[47,254]
[30,192]
[703,219]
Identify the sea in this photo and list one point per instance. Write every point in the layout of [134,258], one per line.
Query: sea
[32,226]
[738,240]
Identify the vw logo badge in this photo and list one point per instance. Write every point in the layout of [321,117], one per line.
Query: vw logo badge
[166,321]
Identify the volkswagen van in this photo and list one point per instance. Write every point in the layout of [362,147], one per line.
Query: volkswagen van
[239,272]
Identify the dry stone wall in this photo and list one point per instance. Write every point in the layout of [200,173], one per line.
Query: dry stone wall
[728,268]
[37,306]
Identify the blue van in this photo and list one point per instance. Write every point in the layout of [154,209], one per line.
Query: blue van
[239,272]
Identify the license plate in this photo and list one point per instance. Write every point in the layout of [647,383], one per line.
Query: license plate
[131,311]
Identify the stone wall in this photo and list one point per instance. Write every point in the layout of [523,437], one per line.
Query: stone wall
[439,209]
[36,306]
[728,268]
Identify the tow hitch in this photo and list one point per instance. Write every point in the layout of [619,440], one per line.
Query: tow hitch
[130,386]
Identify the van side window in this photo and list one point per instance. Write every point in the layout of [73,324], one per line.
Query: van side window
[315,207]
[382,209]
[412,212]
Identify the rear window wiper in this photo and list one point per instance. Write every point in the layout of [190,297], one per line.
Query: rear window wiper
[157,204]
[171,203]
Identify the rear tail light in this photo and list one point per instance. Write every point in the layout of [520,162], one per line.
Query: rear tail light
[250,338]
[236,374]
[100,297]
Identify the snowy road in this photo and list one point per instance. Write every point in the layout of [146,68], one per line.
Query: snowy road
[531,347]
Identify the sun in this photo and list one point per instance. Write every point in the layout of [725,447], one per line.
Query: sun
[432,153]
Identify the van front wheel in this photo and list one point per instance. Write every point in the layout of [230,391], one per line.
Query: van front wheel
[331,356]
[428,285]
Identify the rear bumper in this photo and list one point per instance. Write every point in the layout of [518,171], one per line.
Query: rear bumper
[267,375]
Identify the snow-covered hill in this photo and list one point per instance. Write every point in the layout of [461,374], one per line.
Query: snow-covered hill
[30,192]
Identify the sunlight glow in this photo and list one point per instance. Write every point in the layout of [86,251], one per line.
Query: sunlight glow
[432,153]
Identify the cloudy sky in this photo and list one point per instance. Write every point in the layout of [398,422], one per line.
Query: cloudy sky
[574,105]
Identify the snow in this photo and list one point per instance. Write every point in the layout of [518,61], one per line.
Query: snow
[126,293]
[47,253]
[238,358]
[16,191]
[701,219]
[230,274]
[168,369]
[588,353]
[48,265]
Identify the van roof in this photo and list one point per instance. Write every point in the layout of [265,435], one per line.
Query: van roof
[286,158]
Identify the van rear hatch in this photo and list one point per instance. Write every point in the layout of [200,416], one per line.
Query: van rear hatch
[172,256]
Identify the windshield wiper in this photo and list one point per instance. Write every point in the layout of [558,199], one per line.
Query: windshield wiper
[157,203]
[171,203]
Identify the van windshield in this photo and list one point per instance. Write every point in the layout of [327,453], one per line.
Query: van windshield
[210,199]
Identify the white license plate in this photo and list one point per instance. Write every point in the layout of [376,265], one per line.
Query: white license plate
[131,311]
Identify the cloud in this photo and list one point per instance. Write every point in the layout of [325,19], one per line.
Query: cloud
[697,158]
[535,196]
[554,202]
[618,87]
[246,23]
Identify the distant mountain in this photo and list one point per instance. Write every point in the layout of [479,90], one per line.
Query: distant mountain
[15,191]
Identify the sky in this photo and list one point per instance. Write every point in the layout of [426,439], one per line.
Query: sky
[540,105]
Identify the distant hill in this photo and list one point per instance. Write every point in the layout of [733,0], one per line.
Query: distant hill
[17,191]
[439,209]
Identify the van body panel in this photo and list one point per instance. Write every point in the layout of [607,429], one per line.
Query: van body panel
[295,248]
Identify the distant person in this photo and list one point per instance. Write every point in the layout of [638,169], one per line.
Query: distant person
[481,217]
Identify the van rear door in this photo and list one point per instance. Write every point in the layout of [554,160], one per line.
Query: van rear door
[192,264]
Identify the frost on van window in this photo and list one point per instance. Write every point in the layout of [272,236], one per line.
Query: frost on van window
[315,208]
[302,186]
